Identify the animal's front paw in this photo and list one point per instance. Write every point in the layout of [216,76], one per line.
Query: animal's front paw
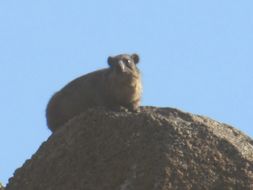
[120,109]
[134,109]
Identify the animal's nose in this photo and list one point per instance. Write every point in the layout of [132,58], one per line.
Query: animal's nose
[122,66]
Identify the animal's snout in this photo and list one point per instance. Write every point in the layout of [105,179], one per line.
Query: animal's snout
[122,66]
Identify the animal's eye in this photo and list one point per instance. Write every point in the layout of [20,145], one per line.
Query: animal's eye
[129,64]
[125,61]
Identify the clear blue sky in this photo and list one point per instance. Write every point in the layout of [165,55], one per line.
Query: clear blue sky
[195,55]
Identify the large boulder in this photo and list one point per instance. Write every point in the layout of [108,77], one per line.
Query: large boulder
[155,149]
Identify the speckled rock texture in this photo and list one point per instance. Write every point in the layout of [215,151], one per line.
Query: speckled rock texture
[155,149]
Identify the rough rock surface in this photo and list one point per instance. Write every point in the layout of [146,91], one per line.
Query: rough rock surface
[155,149]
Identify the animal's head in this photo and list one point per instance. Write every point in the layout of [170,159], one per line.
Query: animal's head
[124,64]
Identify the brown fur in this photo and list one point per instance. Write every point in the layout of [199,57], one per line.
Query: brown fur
[113,87]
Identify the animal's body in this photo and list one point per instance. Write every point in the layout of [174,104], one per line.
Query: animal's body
[113,87]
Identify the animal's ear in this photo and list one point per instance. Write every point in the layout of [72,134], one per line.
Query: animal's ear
[135,57]
[110,61]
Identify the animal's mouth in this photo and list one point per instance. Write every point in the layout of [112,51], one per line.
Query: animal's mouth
[129,75]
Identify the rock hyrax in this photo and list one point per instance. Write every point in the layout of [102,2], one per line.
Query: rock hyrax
[113,87]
